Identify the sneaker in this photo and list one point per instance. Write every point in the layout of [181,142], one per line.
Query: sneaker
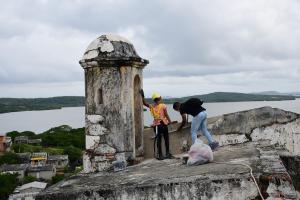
[214,146]
[160,157]
[169,156]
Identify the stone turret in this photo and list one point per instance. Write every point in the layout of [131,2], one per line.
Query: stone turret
[114,112]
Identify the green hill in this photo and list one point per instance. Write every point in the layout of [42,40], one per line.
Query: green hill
[22,104]
[230,97]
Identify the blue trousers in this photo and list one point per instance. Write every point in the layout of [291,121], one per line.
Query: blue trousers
[199,124]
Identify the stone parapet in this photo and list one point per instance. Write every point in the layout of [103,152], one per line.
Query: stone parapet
[281,128]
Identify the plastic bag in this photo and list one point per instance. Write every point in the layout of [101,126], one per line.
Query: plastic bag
[199,153]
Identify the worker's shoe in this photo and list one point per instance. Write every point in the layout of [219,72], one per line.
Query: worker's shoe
[159,157]
[169,156]
[214,146]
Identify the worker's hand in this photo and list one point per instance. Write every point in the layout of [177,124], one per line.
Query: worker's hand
[142,93]
[172,122]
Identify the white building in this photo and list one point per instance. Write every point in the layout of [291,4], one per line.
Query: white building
[19,169]
[27,191]
[59,161]
[45,172]
[38,159]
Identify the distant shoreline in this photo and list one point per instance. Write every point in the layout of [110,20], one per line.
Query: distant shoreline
[9,105]
[40,121]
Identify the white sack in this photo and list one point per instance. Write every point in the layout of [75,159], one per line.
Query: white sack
[199,153]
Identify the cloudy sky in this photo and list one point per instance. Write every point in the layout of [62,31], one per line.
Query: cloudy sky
[194,46]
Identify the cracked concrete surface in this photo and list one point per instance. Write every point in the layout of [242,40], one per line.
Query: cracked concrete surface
[170,179]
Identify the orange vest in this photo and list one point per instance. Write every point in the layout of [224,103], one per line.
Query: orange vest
[158,114]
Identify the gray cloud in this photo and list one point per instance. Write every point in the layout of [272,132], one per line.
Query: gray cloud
[42,41]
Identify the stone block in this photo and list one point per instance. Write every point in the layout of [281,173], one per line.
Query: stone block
[87,164]
[119,165]
[105,149]
[96,129]
[140,151]
[229,139]
[91,64]
[106,46]
[184,146]
[103,166]
[94,119]
[129,155]
[110,157]
[100,158]
[120,157]
[91,142]
[91,54]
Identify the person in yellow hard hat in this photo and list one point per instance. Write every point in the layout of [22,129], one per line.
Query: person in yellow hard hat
[161,120]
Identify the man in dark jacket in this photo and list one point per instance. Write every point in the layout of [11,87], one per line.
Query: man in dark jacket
[194,107]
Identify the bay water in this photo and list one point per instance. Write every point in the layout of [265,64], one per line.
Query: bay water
[39,121]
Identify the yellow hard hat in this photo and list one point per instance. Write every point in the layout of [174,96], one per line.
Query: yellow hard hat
[155,95]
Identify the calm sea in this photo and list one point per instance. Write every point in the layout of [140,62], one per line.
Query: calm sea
[39,121]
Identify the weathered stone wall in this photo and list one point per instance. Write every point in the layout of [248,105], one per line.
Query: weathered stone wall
[292,164]
[280,127]
[196,189]
[180,141]
[284,135]
[244,122]
[109,117]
